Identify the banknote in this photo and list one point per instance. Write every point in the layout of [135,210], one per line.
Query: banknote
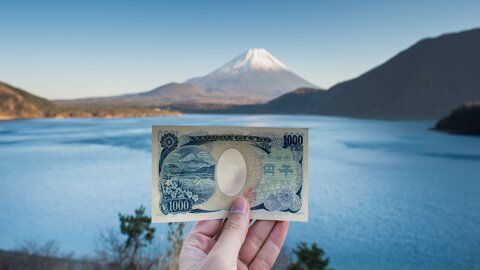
[198,171]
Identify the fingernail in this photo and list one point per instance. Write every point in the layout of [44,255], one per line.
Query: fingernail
[239,206]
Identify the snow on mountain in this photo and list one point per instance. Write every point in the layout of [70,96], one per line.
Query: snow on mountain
[253,59]
[254,74]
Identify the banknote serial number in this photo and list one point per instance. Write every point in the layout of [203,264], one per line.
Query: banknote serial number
[179,205]
[295,140]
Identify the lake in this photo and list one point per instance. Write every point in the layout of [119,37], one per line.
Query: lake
[383,194]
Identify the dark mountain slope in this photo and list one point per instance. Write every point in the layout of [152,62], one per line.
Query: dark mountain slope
[427,80]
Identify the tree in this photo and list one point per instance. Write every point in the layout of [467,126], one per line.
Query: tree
[309,258]
[175,237]
[139,233]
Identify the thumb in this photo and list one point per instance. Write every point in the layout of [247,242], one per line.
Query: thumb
[235,230]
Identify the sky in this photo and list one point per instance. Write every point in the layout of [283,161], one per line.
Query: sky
[72,49]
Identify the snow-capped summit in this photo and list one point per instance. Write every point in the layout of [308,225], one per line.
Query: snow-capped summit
[254,75]
[253,59]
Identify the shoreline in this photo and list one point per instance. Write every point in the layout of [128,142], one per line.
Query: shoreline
[105,115]
[6,118]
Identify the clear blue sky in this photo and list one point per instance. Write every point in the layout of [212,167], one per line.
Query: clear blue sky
[68,49]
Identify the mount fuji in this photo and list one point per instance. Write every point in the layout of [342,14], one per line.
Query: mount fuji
[253,77]
[254,74]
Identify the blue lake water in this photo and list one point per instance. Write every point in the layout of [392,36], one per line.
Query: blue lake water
[383,195]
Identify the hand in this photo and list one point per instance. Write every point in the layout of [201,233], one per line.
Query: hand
[235,245]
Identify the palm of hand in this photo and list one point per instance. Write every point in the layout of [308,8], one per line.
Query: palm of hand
[233,245]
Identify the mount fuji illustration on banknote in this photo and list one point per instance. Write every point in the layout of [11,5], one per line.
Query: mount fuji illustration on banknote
[198,171]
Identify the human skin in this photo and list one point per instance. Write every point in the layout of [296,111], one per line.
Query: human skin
[235,244]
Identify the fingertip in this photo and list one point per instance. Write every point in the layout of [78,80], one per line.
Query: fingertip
[268,253]
[208,222]
[283,224]
[279,232]
[240,206]
[207,227]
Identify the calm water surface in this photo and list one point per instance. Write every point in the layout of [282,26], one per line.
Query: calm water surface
[383,195]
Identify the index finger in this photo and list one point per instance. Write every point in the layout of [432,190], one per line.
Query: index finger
[268,253]
[257,234]
[207,228]
[201,236]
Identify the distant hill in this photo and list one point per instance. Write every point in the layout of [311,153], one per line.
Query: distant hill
[17,103]
[426,81]
[463,120]
[183,94]
[285,104]
[165,94]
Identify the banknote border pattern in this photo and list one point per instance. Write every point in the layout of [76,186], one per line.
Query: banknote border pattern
[170,142]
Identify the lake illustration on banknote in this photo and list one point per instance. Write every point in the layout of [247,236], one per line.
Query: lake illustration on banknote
[187,176]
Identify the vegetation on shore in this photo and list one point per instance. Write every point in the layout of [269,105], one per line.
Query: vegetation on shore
[133,246]
[110,112]
[463,120]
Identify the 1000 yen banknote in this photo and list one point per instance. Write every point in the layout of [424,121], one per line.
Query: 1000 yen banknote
[198,172]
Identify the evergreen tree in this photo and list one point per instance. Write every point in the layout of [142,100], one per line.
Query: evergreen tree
[139,233]
[309,258]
